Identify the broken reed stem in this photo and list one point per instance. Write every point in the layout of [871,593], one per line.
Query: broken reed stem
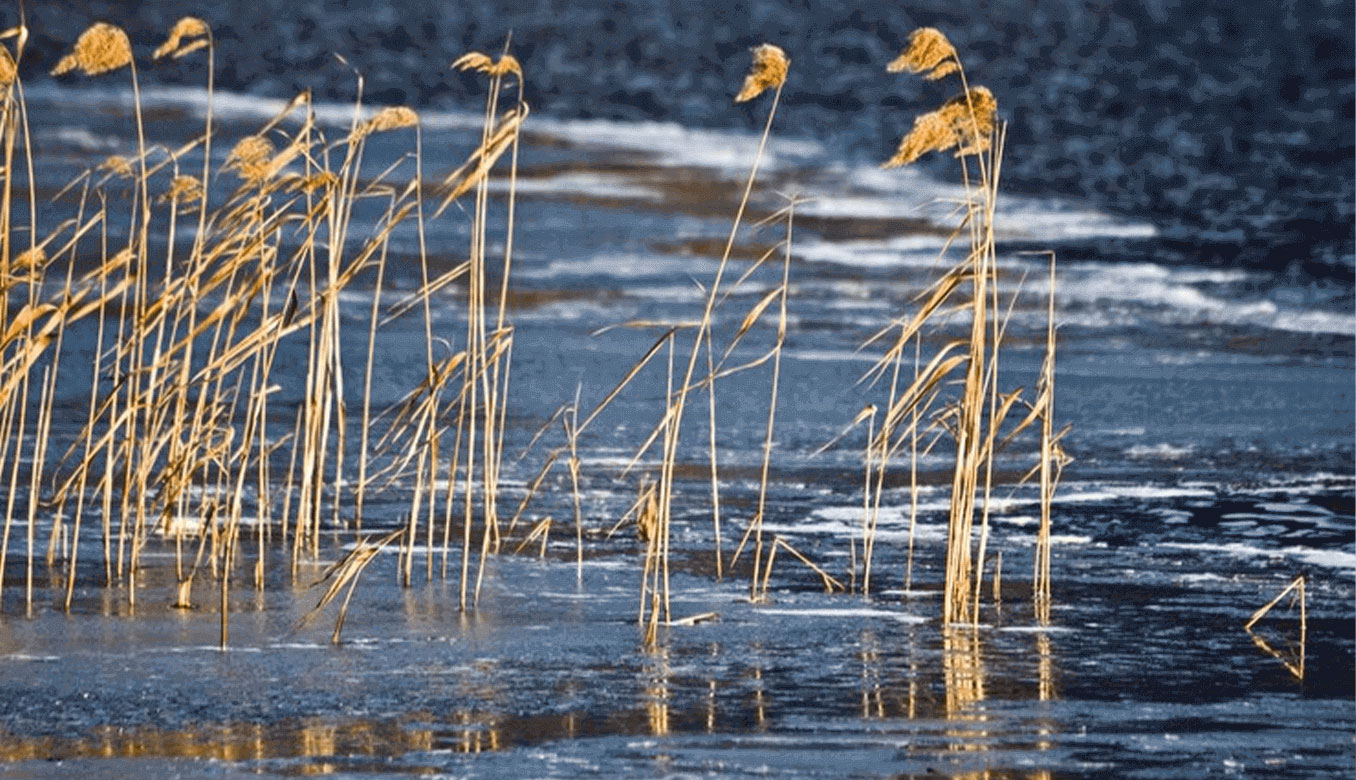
[831,583]
[1295,584]
[1297,587]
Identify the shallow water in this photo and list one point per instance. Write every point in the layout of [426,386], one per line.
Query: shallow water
[1212,432]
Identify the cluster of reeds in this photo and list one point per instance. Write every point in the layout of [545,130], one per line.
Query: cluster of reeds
[179,438]
[919,412]
[922,411]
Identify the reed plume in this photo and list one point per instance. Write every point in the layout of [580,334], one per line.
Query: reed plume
[117,165]
[390,118]
[769,69]
[485,64]
[100,49]
[964,123]
[178,45]
[9,70]
[251,157]
[184,189]
[929,54]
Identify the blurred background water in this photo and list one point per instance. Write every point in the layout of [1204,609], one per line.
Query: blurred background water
[1227,125]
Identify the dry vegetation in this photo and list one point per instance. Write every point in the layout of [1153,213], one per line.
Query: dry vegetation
[179,444]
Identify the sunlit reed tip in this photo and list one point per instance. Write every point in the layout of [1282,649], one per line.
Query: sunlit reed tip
[9,71]
[965,123]
[250,157]
[184,189]
[768,72]
[100,49]
[117,165]
[482,62]
[189,27]
[31,259]
[390,118]
[929,53]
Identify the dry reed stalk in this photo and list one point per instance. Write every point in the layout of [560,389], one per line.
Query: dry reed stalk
[569,421]
[651,522]
[869,414]
[913,472]
[766,62]
[870,518]
[782,292]
[1049,461]
[997,415]
[968,124]
[998,578]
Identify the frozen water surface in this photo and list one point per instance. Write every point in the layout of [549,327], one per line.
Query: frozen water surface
[1211,405]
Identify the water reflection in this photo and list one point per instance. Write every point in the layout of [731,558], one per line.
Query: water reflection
[930,690]
[964,671]
[657,693]
[873,703]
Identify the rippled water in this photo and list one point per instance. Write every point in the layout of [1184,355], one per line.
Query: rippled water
[1207,378]
[1227,125]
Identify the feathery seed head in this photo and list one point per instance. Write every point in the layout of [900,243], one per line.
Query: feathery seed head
[31,259]
[188,27]
[100,49]
[9,71]
[184,189]
[482,62]
[390,118]
[929,53]
[770,65]
[117,165]
[931,133]
[250,157]
[310,184]
[965,123]
[972,117]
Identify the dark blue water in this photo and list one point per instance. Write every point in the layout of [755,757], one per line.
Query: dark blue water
[1229,126]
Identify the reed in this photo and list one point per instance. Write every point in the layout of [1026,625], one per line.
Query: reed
[769,70]
[966,125]
[185,359]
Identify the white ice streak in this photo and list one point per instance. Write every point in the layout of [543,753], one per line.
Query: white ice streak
[846,612]
[1333,559]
